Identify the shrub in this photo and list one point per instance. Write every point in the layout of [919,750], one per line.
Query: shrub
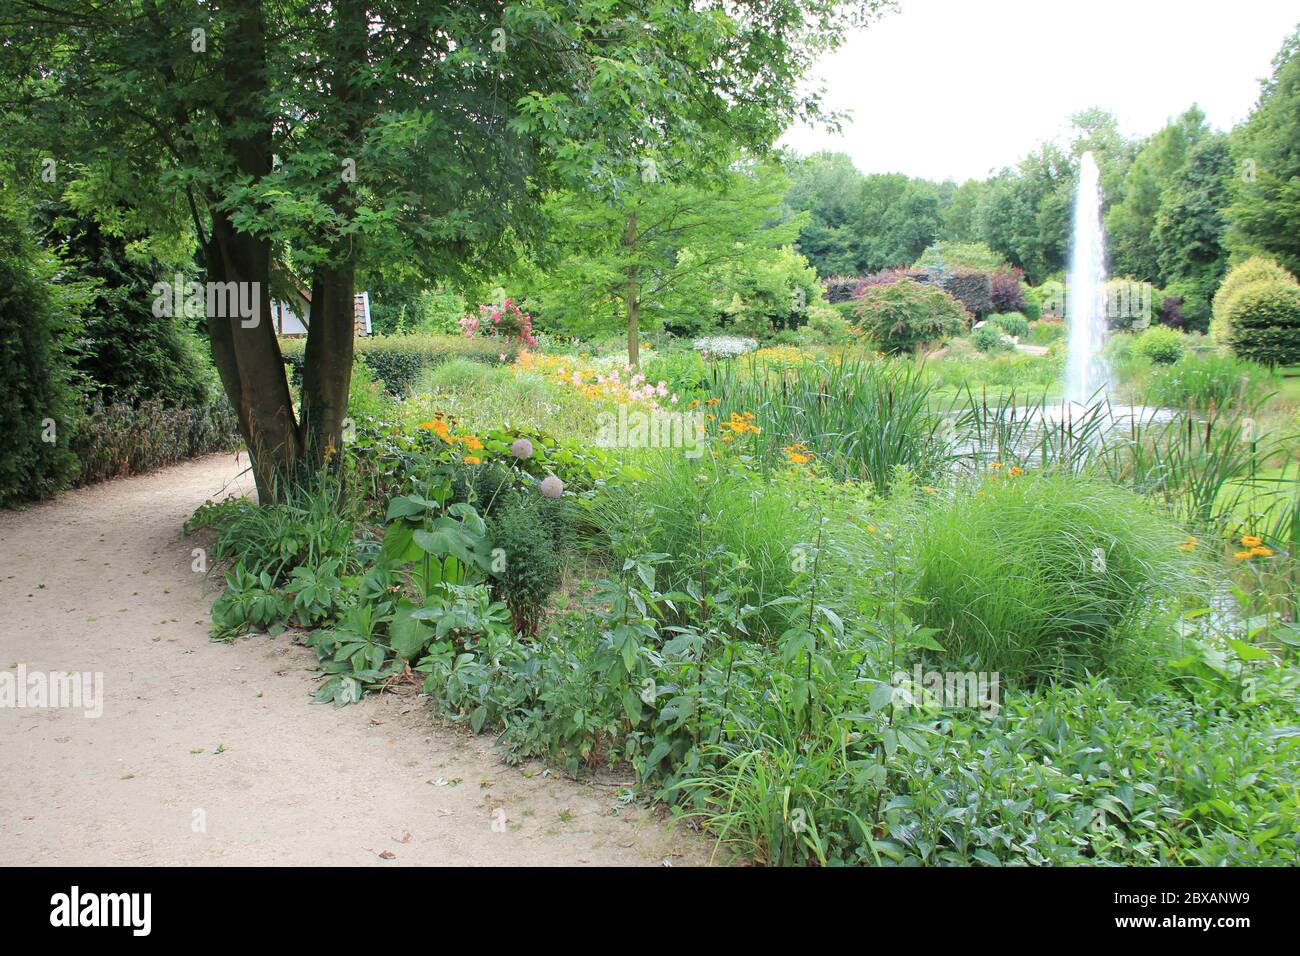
[1033,304]
[1171,313]
[123,352]
[530,531]
[398,360]
[1161,345]
[505,321]
[906,315]
[35,403]
[1238,277]
[841,288]
[1264,322]
[1012,323]
[1038,576]
[826,326]
[113,441]
[1189,310]
[1007,291]
[973,290]
[989,338]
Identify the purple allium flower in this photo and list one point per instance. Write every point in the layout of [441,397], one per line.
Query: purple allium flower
[552,487]
[521,448]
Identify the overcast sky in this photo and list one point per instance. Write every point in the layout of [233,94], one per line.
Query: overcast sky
[958,88]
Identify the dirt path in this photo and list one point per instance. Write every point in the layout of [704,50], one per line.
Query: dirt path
[100,580]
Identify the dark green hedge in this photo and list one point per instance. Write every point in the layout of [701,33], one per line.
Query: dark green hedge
[36,405]
[398,360]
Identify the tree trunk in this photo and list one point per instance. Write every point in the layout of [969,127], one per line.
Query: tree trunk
[244,348]
[633,293]
[327,364]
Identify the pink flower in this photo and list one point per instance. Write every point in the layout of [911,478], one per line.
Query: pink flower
[521,448]
[551,487]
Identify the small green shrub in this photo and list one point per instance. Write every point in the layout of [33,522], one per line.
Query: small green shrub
[528,533]
[903,316]
[1161,345]
[1038,576]
[1013,324]
[989,337]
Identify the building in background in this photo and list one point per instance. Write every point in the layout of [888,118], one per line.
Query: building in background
[288,323]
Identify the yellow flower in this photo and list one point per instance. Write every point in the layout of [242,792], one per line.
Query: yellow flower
[1242,555]
[995,465]
[871,528]
[713,401]
[1189,544]
[1251,541]
[798,454]
[1016,470]
[473,460]
[695,403]
[1261,552]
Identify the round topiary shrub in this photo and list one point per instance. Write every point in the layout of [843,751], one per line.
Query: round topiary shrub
[1042,576]
[1239,276]
[1264,322]
[903,316]
[1161,345]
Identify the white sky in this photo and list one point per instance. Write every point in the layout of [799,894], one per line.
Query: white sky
[958,88]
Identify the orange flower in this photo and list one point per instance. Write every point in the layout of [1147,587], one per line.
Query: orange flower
[1251,541]
[1261,552]
[473,460]
[1016,470]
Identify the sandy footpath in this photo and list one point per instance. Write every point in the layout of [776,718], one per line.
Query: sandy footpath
[213,754]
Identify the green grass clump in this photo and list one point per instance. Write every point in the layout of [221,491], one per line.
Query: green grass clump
[1038,576]
[1212,380]
[862,419]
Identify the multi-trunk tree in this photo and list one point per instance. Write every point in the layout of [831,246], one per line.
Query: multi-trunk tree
[345,134]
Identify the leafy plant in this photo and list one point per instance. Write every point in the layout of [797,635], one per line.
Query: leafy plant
[906,315]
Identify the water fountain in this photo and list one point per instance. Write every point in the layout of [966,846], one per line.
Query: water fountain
[1085,304]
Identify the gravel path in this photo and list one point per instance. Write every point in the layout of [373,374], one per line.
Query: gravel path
[213,754]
